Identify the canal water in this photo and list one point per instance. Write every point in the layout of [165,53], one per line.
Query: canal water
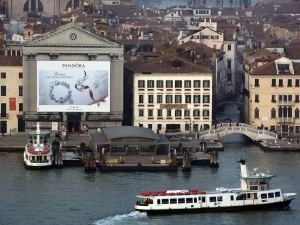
[71,196]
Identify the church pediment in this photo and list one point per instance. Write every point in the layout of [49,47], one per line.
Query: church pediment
[73,35]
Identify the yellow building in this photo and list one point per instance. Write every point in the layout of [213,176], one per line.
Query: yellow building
[271,94]
[11,96]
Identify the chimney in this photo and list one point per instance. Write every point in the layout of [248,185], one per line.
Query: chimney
[214,56]
[205,22]
[251,33]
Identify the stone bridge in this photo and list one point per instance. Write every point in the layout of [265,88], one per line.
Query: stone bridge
[224,129]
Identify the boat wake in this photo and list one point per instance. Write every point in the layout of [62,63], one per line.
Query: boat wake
[122,219]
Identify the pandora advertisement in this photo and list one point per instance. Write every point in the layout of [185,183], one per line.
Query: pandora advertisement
[73,86]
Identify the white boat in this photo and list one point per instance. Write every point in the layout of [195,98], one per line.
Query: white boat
[38,152]
[256,193]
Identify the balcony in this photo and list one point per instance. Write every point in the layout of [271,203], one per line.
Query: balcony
[285,103]
[285,120]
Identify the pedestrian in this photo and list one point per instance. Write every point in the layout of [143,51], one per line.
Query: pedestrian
[215,126]
[201,128]
[237,124]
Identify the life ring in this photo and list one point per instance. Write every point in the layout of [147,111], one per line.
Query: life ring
[262,188]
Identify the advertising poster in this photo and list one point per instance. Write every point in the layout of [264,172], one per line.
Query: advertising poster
[70,86]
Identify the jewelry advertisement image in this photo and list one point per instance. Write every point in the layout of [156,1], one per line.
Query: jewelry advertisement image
[71,86]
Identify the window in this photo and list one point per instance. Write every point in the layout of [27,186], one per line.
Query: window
[273,113]
[229,77]
[141,98]
[273,82]
[297,98]
[150,83]
[20,90]
[169,98]
[158,201]
[141,112]
[280,83]
[178,84]
[273,98]
[165,201]
[256,82]
[188,99]
[263,196]
[186,126]
[150,98]
[231,197]
[186,112]
[297,83]
[181,200]
[206,98]
[297,113]
[3,110]
[160,84]
[229,64]
[20,75]
[256,98]
[177,98]
[212,199]
[159,98]
[277,194]
[189,200]
[173,200]
[187,84]
[196,112]
[229,47]
[159,112]
[150,112]
[256,113]
[271,195]
[3,90]
[178,112]
[3,75]
[169,112]
[141,83]
[206,83]
[290,84]
[196,98]
[205,112]
[196,83]
[220,198]
[169,83]
[20,107]
[203,199]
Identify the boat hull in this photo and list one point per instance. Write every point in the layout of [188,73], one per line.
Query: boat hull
[38,166]
[277,205]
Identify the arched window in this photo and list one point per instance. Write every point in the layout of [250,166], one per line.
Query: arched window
[256,113]
[76,4]
[273,113]
[284,112]
[290,113]
[280,112]
[28,33]
[297,113]
[33,7]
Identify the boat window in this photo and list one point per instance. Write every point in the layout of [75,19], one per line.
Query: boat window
[263,196]
[271,195]
[203,199]
[253,182]
[181,200]
[231,197]
[165,201]
[158,201]
[248,195]
[255,195]
[195,200]
[253,187]
[189,200]
[220,198]
[239,197]
[173,200]
[212,199]
[277,194]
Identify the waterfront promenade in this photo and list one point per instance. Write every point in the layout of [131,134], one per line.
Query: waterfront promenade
[17,143]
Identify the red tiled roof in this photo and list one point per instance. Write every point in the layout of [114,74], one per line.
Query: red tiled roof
[162,64]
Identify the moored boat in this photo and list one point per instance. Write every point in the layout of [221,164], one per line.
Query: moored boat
[255,193]
[38,152]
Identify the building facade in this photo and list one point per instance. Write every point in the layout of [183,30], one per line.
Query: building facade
[168,94]
[271,96]
[11,98]
[76,80]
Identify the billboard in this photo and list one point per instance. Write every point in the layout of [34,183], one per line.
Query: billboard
[71,86]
